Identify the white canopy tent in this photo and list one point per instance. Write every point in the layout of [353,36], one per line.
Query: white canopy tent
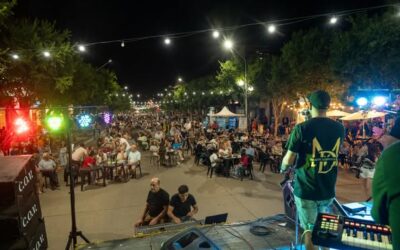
[225,112]
[363,115]
[336,113]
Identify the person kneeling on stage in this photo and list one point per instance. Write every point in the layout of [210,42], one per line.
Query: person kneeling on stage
[156,205]
[182,206]
[316,169]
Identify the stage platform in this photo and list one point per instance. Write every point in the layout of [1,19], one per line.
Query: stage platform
[227,236]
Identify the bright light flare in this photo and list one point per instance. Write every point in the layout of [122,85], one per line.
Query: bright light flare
[333,20]
[215,34]
[21,126]
[228,44]
[362,101]
[81,48]
[379,100]
[271,28]
[46,54]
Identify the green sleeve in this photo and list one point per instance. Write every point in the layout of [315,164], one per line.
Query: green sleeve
[379,194]
[294,141]
[394,222]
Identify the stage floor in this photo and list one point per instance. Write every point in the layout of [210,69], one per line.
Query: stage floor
[228,236]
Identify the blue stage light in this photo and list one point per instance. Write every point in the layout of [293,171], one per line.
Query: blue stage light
[362,101]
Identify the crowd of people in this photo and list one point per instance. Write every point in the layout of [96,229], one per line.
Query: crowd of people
[173,138]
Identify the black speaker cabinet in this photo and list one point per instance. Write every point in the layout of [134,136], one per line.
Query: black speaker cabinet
[17,179]
[37,242]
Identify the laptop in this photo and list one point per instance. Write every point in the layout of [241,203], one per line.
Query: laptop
[215,219]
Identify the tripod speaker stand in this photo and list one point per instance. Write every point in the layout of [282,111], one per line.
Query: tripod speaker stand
[72,238]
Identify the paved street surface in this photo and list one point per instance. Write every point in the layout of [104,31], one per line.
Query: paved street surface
[105,213]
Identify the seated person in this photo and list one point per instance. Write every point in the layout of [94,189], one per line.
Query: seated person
[156,205]
[243,164]
[134,158]
[88,163]
[182,205]
[47,167]
[101,157]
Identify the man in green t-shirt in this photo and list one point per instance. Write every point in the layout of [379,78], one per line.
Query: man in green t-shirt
[386,188]
[314,144]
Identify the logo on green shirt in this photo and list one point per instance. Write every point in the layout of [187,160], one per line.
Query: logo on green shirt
[325,160]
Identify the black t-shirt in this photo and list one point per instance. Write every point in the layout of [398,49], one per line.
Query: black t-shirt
[182,208]
[157,201]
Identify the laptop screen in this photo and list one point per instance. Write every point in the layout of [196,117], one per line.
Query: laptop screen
[215,219]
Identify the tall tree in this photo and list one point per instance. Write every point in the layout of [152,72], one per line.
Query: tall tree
[368,53]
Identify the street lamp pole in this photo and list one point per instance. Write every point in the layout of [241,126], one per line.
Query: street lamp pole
[245,86]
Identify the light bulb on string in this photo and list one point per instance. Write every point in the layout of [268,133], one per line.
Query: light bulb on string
[271,28]
[215,34]
[81,48]
[333,20]
[167,41]
[122,44]
[46,54]
[15,56]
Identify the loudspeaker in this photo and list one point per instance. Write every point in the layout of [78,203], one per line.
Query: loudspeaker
[288,201]
[21,222]
[37,242]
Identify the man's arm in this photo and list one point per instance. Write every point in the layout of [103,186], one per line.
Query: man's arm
[194,211]
[172,215]
[288,160]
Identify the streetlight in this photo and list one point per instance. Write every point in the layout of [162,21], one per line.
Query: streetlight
[228,44]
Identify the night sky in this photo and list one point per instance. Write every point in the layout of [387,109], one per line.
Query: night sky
[148,66]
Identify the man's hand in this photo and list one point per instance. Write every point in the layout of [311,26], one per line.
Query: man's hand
[139,223]
[190,214]
[177,220]
[153,221]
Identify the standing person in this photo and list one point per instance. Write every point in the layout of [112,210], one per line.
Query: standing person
[368,167]
[386,191]
[182,205]
[316,151]
[156,205]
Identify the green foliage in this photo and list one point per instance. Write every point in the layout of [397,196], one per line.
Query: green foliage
[62,79]
[368,54]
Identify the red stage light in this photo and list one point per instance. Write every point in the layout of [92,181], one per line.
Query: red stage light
[21,125]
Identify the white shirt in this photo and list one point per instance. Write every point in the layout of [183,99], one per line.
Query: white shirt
[124,141]
[134,157]
[47,165]
[187,126]
[159,135]
[213,159]
[78,154]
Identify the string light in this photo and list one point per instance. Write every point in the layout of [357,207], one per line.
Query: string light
[271,28]
[46,54]
[81,48]
[333,20]
[167,41]
[215,34]
[15,56]
[122,44]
